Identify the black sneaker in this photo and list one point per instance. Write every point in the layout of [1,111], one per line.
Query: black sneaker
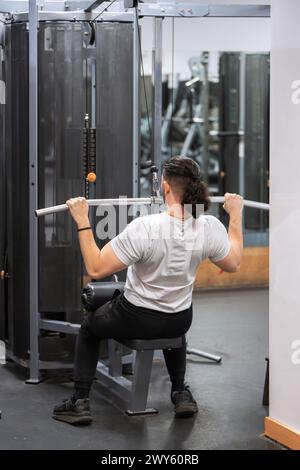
[184,403]
[73,413]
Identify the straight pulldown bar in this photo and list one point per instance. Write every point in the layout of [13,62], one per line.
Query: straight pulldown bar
[139,201]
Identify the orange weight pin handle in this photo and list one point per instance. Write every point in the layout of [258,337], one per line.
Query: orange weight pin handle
[91,177]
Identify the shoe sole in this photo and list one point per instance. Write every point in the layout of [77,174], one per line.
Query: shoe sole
[84,419]
[186,412]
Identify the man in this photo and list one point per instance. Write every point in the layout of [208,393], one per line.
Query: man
[162,253]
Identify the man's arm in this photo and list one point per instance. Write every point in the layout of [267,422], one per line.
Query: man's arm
[98,263]
[234,207]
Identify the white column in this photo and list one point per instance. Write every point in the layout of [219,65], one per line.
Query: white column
[285,215]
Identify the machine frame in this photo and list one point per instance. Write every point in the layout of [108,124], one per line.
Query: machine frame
[33,12]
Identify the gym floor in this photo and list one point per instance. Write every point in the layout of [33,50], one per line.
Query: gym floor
[233,324]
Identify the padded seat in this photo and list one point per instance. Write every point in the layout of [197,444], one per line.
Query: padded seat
[151,344]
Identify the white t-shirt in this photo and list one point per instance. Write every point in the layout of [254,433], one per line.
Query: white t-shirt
[163,254]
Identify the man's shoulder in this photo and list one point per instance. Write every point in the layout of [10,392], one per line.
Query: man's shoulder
[211,219]
[212,224]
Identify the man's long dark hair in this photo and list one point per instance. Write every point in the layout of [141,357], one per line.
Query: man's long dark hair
[184,176]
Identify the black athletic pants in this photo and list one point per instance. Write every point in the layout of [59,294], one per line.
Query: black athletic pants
[121,319]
